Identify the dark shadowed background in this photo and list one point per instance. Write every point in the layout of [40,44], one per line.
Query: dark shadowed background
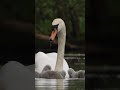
[17,21]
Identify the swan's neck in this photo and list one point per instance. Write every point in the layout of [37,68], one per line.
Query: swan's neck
[61,49]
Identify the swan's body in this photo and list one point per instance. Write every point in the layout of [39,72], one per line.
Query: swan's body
[42,59]
[55,60]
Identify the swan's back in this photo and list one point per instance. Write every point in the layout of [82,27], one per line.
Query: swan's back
[41,60]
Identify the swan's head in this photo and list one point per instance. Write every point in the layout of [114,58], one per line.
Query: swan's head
[57,26]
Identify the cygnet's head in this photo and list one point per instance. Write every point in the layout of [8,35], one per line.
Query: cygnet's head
[46,68]
[63,73]
[71,72]
[57,26]
[81,73]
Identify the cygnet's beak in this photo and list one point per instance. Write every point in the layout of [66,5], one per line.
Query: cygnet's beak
[53,34]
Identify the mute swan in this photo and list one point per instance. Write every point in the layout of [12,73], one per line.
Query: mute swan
[55,60]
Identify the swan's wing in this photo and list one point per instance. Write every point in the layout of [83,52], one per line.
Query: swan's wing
[66,67]
[52,59]
[42,59]
[52,55]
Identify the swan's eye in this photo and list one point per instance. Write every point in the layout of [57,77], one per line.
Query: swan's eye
[55,27]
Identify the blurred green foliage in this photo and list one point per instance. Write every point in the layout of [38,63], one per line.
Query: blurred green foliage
[71,11]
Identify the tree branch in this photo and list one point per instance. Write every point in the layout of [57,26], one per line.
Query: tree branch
[29,27]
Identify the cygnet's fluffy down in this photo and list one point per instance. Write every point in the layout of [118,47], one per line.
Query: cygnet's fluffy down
[76,74]
[48,74]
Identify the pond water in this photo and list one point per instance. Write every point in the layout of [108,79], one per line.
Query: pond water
[60,84]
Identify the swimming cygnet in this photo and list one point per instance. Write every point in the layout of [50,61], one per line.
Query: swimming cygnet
[46,68]
[48,74]
[76,74]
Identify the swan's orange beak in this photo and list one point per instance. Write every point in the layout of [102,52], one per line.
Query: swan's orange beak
[53,35]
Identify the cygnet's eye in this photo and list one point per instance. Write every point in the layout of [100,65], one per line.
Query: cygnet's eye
[55,27]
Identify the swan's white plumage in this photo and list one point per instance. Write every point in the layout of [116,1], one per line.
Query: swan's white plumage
[60,22]
[42,59]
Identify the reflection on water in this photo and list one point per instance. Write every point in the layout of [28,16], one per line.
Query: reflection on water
[60,84]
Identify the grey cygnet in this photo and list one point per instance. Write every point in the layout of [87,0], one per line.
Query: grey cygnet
[49,74]
[76,74]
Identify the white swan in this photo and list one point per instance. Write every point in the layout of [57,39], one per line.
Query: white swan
[55,60]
